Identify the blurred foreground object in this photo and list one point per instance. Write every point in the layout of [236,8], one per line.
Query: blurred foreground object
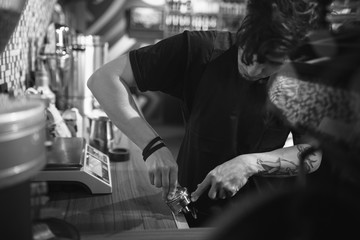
[318,94]
[322,98]
[22,137]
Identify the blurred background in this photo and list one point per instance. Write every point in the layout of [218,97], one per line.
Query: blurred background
[70,39]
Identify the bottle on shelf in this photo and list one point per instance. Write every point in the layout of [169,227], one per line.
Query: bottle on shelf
[42,82]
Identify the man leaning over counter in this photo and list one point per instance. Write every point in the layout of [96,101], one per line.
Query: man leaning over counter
[233,144]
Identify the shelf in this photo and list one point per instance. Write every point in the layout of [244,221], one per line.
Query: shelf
[227,17]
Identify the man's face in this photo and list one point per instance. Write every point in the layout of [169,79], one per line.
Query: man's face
[256,70]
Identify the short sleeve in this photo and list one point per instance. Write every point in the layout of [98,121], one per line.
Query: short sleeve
[172,64]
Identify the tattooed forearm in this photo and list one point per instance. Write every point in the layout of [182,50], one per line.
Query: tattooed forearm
[281,167]
[289,167]
[309,157]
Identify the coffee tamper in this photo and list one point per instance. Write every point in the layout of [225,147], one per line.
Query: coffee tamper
[180,202]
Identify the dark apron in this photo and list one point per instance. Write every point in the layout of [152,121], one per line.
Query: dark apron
[228,118]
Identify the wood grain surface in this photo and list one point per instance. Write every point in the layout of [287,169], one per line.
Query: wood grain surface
[159,234]
[133,205]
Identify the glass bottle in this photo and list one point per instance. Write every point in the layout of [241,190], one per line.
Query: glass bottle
[42,82]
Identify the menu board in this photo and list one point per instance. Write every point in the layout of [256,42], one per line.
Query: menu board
[145,22]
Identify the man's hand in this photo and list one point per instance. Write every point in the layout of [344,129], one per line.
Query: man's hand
[226,179]
[163,171]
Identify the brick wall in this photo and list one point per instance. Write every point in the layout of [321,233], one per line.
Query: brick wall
[18,57]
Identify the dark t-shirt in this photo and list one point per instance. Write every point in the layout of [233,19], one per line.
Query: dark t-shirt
[176,64]
[225,114]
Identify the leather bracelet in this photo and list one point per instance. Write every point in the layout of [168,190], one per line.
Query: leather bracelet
[152,150]
[151,144]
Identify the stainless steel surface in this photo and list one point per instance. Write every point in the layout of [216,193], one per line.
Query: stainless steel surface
[22,137]
[66,153]
[89,53]
[101,133]
[59,62]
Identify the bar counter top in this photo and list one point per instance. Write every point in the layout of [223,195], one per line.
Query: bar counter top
[134,209]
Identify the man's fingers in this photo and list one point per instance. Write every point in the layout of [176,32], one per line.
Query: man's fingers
[213,191]
[151,178]
[172,183]
[157,178]
[165,182]
[200,189]
[222,194]
[163,175]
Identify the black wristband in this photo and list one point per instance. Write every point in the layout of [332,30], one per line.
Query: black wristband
[152,150]
[150,144]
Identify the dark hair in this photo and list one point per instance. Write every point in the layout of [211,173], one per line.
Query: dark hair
[274,27]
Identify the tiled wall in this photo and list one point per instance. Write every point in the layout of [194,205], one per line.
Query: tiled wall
[18,58]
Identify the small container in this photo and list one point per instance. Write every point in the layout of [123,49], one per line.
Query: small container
[74,121]
[101,133]
[42,82]
[119,154]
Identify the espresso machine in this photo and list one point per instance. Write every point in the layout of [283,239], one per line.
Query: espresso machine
[70,59]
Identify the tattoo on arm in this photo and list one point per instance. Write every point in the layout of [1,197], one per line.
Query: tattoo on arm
[308,161]
[283,167]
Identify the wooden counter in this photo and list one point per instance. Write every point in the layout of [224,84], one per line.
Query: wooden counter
[158,234]
[134,205]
